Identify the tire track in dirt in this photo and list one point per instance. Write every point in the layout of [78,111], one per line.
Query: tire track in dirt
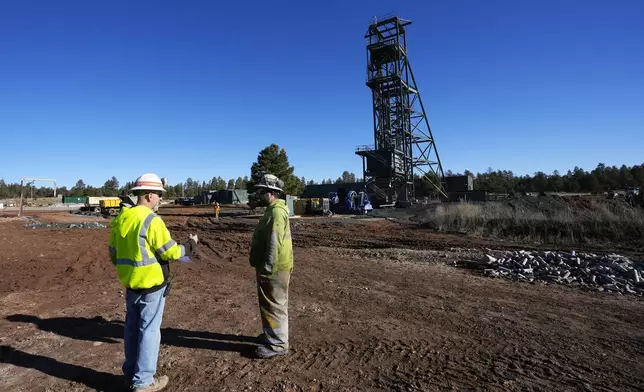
[404,365]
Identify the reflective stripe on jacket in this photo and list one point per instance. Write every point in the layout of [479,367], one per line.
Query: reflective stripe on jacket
[272,247]
[139,241]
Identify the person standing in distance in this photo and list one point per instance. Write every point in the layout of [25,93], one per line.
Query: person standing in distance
[140,247]
[271,255]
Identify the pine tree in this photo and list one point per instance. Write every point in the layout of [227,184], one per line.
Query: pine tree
[273,160]
[221,184]
[79,188]
[111,187]
[348,177]
[555,182]
[193,187]
[179,190]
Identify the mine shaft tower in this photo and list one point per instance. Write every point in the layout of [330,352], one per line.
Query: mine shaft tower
[403,139]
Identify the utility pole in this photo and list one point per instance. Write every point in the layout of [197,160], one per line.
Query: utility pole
[21,194]
[22,189]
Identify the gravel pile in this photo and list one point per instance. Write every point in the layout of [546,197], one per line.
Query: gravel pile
[87,225]
[609,273]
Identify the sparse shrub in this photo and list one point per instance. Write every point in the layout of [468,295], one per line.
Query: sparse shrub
[554,221]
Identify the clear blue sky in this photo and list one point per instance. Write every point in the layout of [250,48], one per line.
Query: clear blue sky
[91,89]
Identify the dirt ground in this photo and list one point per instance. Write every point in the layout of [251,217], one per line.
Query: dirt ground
[374,305]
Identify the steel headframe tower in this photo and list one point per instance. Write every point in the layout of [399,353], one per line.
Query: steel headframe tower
[403,139]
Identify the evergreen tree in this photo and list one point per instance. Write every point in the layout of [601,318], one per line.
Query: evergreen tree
[348,177]
[273,160]
[555,182]
[179,190]
[111,187]
[79,188]
[125,189]
[191,187]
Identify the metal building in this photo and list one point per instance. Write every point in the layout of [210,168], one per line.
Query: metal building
[403,139]
[227,196]
[462,183]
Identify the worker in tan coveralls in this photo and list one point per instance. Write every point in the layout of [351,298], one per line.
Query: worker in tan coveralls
[272,256]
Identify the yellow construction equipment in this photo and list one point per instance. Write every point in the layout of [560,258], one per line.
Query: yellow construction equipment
[110,206]
[311,206]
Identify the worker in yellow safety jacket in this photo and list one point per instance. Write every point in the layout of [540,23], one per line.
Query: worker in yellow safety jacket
[217,209]
[141,248]
[272,256]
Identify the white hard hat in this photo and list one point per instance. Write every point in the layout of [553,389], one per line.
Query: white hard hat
[271,182]
[148,182]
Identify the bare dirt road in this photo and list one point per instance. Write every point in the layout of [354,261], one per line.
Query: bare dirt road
[373,306]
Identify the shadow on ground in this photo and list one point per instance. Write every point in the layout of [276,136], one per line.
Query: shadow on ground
[98,329]
[99,381]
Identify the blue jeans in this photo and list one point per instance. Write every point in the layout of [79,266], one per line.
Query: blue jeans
[142,336]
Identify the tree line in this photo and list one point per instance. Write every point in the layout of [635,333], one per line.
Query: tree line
[274,160]
[111,187]
[601,179]
[192,188]
[347,177]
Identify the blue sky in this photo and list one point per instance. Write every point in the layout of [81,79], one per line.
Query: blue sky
[91,89]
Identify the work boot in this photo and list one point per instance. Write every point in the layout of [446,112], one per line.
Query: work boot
[157,385]
[264,352]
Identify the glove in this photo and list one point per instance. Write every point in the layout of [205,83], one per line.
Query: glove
[194,238]
[185,259]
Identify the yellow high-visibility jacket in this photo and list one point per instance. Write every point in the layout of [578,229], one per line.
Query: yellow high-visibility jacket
[140,247]
[271,248]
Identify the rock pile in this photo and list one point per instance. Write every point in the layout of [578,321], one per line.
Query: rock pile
[609,273]
[87,225]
